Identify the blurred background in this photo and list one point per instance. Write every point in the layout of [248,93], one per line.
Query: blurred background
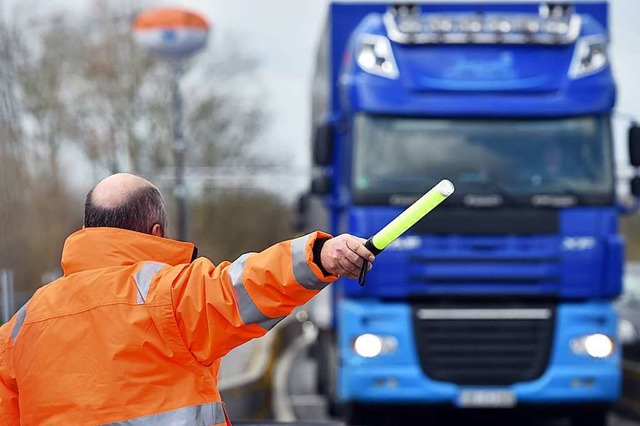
[80,99]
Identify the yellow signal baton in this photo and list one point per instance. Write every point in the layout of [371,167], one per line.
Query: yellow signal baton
[406,220]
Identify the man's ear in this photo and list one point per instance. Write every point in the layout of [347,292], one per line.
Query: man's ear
[157,231]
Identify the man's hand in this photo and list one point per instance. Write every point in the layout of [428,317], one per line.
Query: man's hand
[344,255]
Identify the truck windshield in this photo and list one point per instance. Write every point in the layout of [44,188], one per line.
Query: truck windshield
[513,160]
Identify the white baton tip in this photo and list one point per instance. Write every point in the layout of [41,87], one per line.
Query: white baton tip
[445,187]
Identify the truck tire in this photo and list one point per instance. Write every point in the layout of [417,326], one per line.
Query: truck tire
[589,417]
[327,358]
[321,355]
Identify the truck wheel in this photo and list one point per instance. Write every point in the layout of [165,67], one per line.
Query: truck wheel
[590,418]
[322,358]
[327,359]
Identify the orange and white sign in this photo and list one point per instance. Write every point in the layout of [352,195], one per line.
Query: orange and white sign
[171,32]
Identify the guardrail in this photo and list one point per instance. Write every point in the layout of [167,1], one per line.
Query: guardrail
[248,395]
[283,401]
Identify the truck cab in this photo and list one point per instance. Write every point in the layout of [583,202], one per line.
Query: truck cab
[502,297]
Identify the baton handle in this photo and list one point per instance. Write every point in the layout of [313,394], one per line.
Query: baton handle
[365,264]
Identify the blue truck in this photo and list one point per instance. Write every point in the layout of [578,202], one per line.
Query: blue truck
[502,297]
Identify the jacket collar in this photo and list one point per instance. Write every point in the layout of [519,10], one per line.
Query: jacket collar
[94,248]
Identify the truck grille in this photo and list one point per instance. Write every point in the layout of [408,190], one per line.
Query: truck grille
[483,346]
[523,262]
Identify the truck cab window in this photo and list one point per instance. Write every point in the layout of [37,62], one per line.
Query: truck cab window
[514,157]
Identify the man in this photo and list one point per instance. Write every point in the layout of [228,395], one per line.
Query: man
[133,333]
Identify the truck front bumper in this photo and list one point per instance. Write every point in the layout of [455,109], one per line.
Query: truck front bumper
[397,377]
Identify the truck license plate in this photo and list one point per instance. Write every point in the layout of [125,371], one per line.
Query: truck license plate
[486,399]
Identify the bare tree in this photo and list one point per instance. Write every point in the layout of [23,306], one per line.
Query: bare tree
[13,176]
[225,118]
[84,93]
[122,101]
[43,73]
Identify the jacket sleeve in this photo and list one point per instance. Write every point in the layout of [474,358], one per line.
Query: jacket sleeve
[220,308]
[9,409]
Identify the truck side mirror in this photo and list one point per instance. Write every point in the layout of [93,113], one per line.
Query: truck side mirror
[634,145]
[302,207]
[635,187]
[323,144]
[321,185]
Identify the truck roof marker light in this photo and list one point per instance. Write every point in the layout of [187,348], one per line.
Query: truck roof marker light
[589,57]
[443,25]
[411,25]
[556,27]
[375,56]
[531,26]
[471,25]
[485,28]
[499,25]
[556,10]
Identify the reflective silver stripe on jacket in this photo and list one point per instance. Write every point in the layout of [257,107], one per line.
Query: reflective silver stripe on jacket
[144,277]
[301,270]
[249,312]
[200,415]
[270,323]
[20,316]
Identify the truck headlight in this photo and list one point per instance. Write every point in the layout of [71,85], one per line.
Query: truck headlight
[589,57]
[371,345]
[375,56]
[595,345]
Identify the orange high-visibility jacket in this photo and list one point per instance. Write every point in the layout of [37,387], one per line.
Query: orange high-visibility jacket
[133,333]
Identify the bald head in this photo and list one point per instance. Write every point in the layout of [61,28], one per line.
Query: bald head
[116,189]
[126,201]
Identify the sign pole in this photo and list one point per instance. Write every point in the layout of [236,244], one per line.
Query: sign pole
[174,34]
[179,151]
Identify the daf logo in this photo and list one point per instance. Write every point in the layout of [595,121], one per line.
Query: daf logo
[578,243]
[488,200]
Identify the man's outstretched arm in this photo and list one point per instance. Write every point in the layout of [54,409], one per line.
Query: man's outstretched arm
[220,308]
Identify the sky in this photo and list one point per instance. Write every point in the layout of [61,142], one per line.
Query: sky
[282,36]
